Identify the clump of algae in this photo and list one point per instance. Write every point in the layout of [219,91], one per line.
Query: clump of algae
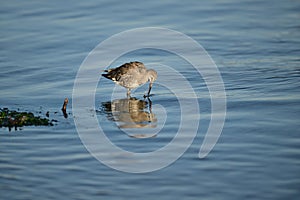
[12,118]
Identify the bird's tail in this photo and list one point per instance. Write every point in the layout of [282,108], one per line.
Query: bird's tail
[107,70]
[108,76]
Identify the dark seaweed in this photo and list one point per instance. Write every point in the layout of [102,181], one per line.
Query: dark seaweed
[12,118]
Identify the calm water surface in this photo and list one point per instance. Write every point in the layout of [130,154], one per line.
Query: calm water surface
[255,44]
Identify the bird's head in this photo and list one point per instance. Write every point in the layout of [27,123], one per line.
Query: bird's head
[152,75]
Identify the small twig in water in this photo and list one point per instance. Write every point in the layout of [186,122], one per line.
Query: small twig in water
[64,108]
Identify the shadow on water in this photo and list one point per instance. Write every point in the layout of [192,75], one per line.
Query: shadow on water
[131,113]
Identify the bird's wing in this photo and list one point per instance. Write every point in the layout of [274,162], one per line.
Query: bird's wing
[126,71]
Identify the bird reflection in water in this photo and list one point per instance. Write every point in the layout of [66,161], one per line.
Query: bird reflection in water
[131,113]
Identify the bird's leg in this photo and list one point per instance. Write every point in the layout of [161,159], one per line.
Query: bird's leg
[128,92]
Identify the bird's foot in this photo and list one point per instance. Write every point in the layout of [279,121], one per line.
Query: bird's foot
[148,95]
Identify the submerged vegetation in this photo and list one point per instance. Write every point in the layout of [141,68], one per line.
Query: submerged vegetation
[15,119]
[12,118]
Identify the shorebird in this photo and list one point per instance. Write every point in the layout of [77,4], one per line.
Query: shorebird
[132,75]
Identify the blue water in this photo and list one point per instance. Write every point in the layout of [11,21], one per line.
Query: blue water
[256,46]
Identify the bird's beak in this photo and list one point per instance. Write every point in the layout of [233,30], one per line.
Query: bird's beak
[150,87]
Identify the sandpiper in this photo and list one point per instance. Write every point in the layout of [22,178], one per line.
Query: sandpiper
[132,75]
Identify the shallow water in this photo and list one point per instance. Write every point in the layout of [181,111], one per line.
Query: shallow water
[256,48]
